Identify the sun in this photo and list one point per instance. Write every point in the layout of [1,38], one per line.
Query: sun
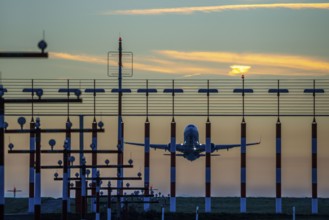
[238,70]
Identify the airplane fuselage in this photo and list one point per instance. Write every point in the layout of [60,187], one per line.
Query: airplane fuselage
[191,147]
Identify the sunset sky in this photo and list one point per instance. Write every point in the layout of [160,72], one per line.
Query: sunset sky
[176,39]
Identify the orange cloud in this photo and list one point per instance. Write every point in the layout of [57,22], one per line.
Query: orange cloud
[218,8]
[172,67]
[78,57]
[142,64]
[270,60]
[213,63]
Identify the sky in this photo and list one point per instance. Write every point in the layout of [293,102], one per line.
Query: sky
[272,37]
[178,39]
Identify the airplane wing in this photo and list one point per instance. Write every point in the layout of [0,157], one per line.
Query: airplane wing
[229,146]
[155,146]
[177,155]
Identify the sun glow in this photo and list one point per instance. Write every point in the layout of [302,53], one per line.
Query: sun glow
[239,70]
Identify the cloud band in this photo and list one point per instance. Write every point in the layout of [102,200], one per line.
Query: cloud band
[270,60]
[218,8]
[206,62]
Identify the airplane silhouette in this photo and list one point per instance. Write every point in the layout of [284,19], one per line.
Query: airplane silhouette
[14,191]
[191,149]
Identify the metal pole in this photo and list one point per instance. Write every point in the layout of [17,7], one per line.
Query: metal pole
[147,156]
[32,155]
[208,158]
[120,132]
[162,213]
[147,166]
[94,164]
[94,154]
[2,158]
[68,145]
[173,155]
[242,97]
[314,169]
[109,211]
[97,197]
[37,190]
[83,189]
[65,182]
[81,140]
[278,199]
[31,171]
[314,159]
[68,126]
[243,200]
[208,167]
[81,156]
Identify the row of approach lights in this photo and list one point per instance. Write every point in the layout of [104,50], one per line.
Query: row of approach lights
[22,121]
[39,92]
[52,143]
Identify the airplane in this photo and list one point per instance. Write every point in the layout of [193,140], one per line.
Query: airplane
[191,149]
[14,191]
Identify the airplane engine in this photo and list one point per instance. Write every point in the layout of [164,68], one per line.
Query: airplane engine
[212,147]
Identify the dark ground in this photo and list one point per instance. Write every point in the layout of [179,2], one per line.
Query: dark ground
[222,208]
[181,216]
